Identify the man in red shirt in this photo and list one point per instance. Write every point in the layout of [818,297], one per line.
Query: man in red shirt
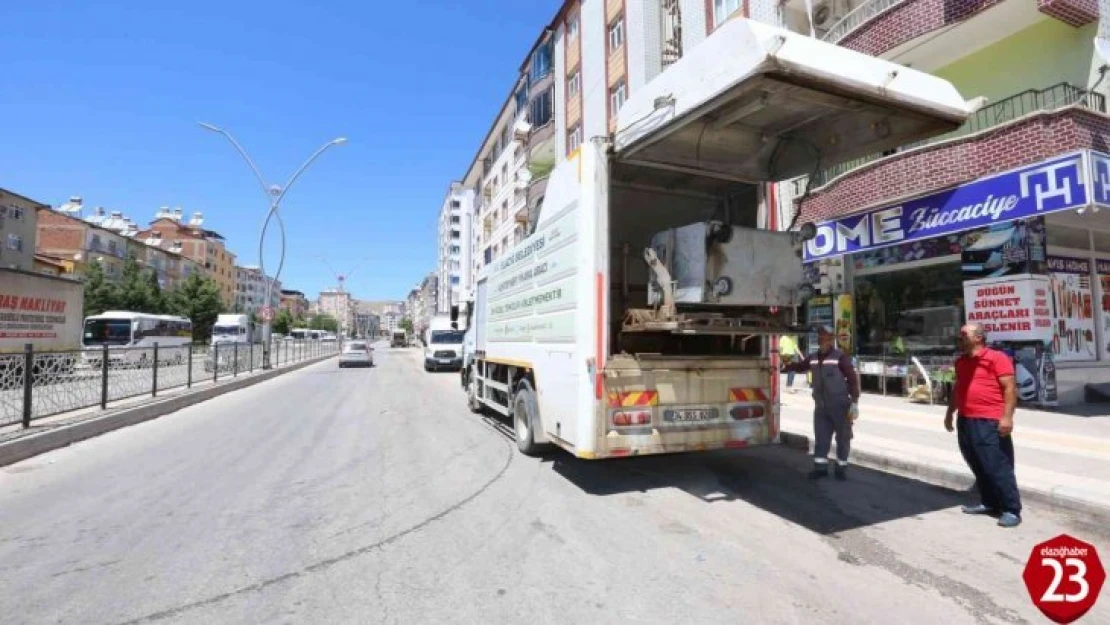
[985,397]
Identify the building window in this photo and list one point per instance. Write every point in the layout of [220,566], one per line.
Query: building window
[574,138]
[455,249]
[455,219]
[617,95]
[539,113]
[521,98]
[572,28]
[541,63]
[723,9]
[574,83]
[15,212]
[616,34]
[15,242]
[454,203]
[455,234]
[454,280]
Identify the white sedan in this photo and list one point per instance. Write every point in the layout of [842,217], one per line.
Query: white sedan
[356,354]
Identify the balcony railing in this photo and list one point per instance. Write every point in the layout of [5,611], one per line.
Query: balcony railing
[997,114]
[857,17]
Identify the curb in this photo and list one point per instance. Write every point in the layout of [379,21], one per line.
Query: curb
[953,480]
[30,446]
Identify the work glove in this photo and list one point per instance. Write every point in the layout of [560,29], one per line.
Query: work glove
[853,412]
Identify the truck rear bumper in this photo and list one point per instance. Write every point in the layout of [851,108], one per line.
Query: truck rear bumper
[651,440]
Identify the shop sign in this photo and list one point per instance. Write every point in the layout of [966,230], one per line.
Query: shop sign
[1012,308]
[1100,178]
[1054,185]
[1066,264]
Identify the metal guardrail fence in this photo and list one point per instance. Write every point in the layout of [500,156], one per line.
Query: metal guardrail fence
[990,116]
[37,384]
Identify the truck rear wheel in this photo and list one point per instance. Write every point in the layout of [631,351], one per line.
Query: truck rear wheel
[525,418]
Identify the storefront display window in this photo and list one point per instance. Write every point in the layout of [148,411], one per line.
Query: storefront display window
[1073,307]
[1103,269]
[916,312]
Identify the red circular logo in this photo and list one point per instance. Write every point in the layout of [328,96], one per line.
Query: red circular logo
[1064,577]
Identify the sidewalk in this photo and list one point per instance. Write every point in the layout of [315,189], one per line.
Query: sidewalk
[1062,460]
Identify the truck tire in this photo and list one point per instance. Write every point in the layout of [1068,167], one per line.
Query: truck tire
[525,418]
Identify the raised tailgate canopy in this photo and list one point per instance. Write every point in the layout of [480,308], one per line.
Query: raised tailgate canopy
[754,103]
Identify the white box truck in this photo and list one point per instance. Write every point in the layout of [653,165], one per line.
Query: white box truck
[637,318]
[43,311]
[240,329]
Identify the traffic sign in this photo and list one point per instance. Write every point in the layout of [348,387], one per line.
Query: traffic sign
[267,313]
[1064,577]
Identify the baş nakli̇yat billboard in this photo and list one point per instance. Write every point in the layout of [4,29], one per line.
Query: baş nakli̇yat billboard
[1013,308]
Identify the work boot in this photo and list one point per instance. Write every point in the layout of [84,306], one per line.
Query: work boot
[841,472]
[819,471]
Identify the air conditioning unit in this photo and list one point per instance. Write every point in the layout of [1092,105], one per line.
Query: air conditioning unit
[827,14]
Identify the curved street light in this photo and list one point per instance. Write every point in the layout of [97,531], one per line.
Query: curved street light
[274,194]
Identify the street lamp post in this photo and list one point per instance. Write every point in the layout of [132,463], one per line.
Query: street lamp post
[274,194]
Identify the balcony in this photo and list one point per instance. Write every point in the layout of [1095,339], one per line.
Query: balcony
[915,31]
[1022,129]
[997,114]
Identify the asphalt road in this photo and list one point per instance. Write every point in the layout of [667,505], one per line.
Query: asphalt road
[374,496]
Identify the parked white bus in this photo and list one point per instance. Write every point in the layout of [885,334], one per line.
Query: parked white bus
[131,336]
[299,334]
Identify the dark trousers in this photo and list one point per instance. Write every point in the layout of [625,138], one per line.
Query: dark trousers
[991,458]
[829,420]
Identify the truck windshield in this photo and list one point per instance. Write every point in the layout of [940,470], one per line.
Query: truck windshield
[447,336]
[107,331]
[225,330]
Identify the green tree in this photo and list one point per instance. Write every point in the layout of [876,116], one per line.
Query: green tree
[139,290]
[198,298]
[406,325]
[326,323]
[156,298]
[100,295]
[283,322]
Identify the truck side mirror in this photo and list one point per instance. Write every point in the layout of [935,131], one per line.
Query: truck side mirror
[454,314]
[454,325]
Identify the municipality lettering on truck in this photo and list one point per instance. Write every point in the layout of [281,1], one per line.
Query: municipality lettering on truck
[41,311]
[629,322]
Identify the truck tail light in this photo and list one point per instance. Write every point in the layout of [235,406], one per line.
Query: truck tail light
[747,411]
[627,417]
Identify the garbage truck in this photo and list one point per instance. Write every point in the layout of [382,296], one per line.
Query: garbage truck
[639,316]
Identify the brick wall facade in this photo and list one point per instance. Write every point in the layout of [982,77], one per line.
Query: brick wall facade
[59,234]
[910,20]
[1075,13]
[932,168]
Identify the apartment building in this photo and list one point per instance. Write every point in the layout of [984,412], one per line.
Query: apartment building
[295,303]
[251,288]
[1037,148]
[18,227]
[192,240]
[338,304]
[69,237]
[456,219]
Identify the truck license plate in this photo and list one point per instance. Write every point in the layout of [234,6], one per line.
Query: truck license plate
[690,415]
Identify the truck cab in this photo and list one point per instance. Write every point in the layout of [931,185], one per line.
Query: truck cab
[443,345]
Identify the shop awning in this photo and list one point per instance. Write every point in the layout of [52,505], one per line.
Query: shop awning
[756,103]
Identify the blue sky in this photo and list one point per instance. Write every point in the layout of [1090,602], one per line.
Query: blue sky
[101,100]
